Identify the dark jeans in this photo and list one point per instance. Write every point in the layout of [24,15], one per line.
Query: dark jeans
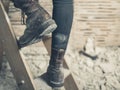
[63,15]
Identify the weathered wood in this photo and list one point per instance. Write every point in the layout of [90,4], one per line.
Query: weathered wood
[6,4]
[47,43]
[18,65]
[1,54]
[70,83]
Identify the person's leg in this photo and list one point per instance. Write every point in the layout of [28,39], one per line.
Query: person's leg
[63,16]
[39,22]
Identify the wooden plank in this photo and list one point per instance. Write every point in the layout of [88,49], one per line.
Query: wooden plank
[1,54]
[47,43]
[6,4]
[18,66]
[70,83]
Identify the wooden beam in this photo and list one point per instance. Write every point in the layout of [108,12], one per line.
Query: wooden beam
[1,54]
[47,43]
[18,65]
[6,4]
[70,83]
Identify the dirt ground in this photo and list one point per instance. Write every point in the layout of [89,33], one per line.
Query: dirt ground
[102,73]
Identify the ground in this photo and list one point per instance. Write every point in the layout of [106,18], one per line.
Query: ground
[100,74]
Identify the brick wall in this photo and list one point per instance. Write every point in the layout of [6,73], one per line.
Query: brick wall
[99,19]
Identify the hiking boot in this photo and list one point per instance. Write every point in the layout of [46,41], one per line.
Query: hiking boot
[55,73]
[38,22]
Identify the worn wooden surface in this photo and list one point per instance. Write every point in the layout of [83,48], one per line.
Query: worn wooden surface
[17,64]
[1,54]
[6,4]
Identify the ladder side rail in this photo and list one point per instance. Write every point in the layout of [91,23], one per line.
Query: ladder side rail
[18,65]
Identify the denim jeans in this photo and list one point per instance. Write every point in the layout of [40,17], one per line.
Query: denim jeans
[63,16]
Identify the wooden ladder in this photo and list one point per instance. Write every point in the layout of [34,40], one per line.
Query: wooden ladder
[19,67]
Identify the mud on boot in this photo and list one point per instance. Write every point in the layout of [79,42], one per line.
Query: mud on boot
[55,73]
[38,23]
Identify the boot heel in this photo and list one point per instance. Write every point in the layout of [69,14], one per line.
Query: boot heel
[49,27]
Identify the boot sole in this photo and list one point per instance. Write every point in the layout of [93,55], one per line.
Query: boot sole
[49,27]
[55,84]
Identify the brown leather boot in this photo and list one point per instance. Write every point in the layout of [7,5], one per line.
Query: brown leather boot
[55,69]
[38,23]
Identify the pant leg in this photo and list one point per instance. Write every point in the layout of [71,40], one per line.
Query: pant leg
[63,15]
